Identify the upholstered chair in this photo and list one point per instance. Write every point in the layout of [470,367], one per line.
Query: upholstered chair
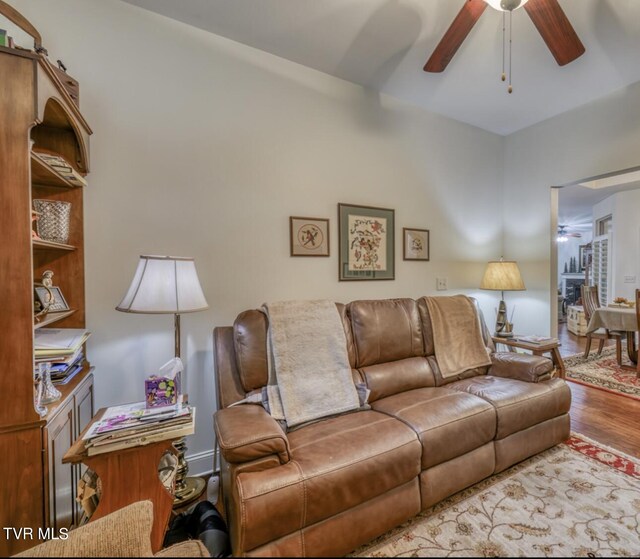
[123,533]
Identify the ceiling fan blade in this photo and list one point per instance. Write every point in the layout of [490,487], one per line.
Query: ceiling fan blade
[556,30]
[455,35]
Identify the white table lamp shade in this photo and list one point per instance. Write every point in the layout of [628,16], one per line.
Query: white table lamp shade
[164,285]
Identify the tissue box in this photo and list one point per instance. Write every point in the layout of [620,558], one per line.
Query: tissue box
[161,390]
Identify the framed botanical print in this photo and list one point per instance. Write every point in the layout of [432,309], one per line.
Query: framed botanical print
[366,237]
[415,244]
[309,236]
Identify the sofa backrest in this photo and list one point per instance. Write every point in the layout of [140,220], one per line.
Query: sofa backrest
[389,346]
[389,343]
[385,330]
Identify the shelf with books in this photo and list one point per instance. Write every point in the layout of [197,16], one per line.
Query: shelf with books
[44,174]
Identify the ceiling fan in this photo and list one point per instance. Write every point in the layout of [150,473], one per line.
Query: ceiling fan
[563,236]
[547,15]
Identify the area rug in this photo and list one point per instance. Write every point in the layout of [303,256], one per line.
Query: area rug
[577,499]
[603,372]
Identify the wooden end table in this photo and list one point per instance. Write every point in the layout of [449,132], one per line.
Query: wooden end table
[551,347]
[127,476]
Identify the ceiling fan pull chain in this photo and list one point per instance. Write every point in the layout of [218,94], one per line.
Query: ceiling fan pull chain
[504,23]
[510,88]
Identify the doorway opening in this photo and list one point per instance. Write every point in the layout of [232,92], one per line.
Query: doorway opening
[595,241]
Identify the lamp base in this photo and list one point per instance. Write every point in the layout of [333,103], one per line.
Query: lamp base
[503,334]
[193,488]
[187,489]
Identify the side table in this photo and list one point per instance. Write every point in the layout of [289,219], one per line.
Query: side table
[551,347]
[127,476]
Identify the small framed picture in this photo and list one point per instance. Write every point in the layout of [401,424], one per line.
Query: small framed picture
[309,236]
[43,297]
[583,258]
[415,244]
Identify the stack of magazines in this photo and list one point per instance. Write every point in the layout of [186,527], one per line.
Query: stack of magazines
[63,348]
[131,425]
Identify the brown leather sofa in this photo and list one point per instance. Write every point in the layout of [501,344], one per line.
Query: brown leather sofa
[328,487]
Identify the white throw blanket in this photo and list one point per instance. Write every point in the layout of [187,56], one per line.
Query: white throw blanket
[309,371]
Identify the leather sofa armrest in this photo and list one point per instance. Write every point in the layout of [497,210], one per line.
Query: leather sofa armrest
[247,432]
[520,366]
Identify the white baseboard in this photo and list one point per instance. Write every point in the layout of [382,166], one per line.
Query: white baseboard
[200,463]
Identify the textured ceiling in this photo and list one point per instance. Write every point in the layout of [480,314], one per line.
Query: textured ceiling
[383,44]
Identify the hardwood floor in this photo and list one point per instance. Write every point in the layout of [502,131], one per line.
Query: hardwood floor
[608,418]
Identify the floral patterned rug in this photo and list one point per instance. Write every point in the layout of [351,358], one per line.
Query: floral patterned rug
[603,372]
[577,499]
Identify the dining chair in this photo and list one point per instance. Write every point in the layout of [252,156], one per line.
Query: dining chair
[591,302]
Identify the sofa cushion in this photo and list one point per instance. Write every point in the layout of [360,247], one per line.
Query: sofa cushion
[336,464]
[387,379]
[448,423]
[386,330]
[518,404]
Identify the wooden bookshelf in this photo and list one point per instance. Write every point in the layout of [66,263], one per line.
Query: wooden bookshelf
[38,114]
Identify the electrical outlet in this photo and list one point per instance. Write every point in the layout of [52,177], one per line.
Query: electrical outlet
[629,279]
[441,284]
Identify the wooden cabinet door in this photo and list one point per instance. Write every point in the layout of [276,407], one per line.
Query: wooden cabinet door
[83,413]
[60,434]
[83,405]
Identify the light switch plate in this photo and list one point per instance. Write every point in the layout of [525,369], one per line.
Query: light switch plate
[629,279]
[441,284]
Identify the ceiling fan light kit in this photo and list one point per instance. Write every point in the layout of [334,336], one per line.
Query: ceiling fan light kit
[563,235]
[547,16]
[506,5]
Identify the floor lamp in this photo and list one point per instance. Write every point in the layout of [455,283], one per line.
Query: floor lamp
[169,285]
[502,275]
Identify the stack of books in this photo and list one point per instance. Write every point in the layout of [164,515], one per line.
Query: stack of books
[63,348]
[63,168]
[131,425]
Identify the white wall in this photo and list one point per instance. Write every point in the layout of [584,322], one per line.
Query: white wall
[626,244]
[600,137]
[205,147]
[624,207]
